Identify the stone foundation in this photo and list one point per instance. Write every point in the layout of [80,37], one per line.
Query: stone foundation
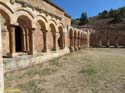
[24,61]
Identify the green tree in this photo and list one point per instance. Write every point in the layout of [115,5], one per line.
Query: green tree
[75,22]
[104,14]
[83,19]
[112,13]
[122,12]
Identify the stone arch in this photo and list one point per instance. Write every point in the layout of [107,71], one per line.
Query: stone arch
[6,8]
[25,11]
[61,24]
[23,34]
[41,34]
[53,21]
[61,40]
[27,15]
[40,17]
[5,20]
[52,37]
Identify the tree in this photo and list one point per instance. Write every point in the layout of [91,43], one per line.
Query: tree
[112,13]
[122,12]
[75,22]
[83,19]
[104,14]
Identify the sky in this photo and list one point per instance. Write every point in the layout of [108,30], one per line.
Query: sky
[92,7]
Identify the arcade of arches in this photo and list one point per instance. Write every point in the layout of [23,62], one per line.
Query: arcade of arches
[32,34]
[27,29]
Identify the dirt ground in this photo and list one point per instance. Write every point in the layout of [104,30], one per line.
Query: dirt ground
[85,71]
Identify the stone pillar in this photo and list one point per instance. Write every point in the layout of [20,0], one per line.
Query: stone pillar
[100,43]
[79,43]
[116,43]
[11,29]
[1,66]
[57,38]
[27,40]
[24,43]
[45,47]
[108,43]
[74,43]
[63,41]
[88,39]
[32,42]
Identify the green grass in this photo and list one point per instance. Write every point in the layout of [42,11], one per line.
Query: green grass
[89,71]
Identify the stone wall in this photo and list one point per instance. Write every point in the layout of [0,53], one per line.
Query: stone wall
[49,7]
[108,36]
[35,31]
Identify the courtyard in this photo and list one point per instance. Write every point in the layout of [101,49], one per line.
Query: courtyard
[99,70]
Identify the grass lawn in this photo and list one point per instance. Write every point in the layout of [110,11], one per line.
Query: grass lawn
[85,71]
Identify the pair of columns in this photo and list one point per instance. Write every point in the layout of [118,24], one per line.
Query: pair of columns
[56,36]
[75,43]
[32,50]
[11,29]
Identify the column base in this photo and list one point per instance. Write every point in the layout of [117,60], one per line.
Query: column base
[45,50]
[11,55]
[71,49]
[33,52]
[79,47]
[75,48]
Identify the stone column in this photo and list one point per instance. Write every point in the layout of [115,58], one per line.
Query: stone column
[116,43]
[11,29]
[45,47]
[82,42]
[88,39]
[79,43]
[24,43]
[100,43]
[1,66]
[74,40]
[32,42]
[27,40]
[108,43]
[57,37]
[72,43]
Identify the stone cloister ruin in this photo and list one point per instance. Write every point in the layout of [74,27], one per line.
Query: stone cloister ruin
[35,31]
[36,27]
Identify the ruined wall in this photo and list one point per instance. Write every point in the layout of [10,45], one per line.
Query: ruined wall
[108,35]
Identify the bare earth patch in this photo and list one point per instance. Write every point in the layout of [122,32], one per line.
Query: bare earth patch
[85,71]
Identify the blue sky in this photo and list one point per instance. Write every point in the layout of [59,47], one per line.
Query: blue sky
[75,7]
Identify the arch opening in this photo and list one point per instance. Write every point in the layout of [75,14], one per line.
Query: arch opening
[41,37]
[61,41]
[52,38]
[23,32]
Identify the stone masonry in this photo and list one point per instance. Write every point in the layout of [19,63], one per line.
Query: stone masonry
[35,31]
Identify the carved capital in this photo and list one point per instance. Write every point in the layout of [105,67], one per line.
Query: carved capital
[12,1]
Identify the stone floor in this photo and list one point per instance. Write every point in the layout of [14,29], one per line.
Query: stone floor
[86,71]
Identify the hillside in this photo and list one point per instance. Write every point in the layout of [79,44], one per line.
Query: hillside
[116,16]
